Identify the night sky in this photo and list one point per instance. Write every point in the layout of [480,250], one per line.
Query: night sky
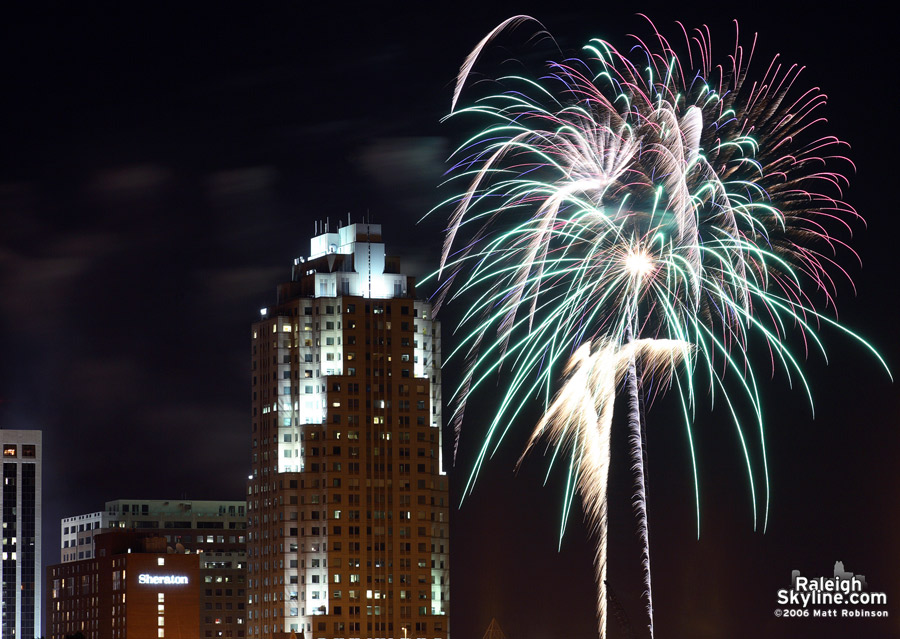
[159,170]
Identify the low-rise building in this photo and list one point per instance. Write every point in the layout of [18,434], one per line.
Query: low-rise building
[214,530]
[135,586]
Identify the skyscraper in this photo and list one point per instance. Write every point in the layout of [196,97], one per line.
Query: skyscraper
[20,504]
[348,532]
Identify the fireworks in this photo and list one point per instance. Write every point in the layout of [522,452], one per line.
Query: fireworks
[646,219]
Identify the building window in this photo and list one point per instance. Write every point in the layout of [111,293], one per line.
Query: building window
[9,450]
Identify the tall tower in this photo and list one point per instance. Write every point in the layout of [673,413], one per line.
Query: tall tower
[348,531]
[20,505]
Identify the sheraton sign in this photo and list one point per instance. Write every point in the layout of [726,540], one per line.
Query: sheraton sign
[162,580]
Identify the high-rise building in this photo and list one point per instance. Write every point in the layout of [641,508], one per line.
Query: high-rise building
[20,504]
[348,530]
[214,530]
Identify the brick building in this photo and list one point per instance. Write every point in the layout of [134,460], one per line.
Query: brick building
[348,501]
[214,530]
[134,587]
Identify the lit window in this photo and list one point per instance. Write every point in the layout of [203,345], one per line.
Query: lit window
[160,561]
[9,450]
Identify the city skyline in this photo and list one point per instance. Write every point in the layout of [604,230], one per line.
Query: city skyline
[159,173]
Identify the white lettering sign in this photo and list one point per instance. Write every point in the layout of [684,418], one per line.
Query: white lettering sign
[165,580]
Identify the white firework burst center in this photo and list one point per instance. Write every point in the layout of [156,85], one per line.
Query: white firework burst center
[639,263]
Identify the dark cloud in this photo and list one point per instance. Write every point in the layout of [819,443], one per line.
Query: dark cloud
[235,288]
[129,182]
[225,185]
[409,169]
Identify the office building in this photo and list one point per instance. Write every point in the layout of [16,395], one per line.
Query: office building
[77,535]
[214,530]
[135,587]
[348,501]
[20,503]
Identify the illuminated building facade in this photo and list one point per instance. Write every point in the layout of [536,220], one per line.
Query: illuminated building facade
[134,587]
[348,501]
[20,562]
[214,530]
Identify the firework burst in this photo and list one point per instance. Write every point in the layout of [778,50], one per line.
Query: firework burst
[643,219]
